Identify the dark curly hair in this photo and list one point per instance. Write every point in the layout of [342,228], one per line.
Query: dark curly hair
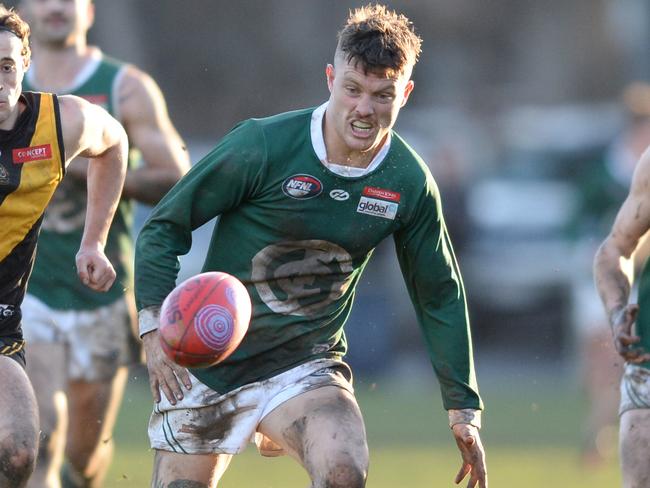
[380,39]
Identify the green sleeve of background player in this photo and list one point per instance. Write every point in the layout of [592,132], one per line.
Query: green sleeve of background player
[435,286]
[223,179]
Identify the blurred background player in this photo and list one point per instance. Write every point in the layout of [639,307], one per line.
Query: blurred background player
[39,135]
[602,187]
[85,339]
[304,198]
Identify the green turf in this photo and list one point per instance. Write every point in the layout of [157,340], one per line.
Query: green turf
[531,434]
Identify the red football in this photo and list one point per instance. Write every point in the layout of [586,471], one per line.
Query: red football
[204,319]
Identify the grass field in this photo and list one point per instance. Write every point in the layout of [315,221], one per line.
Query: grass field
[531,434]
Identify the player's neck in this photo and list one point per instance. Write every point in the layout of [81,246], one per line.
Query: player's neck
[343,156]
[55,68]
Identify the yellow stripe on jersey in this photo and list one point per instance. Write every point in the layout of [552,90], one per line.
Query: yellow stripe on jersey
[38,180]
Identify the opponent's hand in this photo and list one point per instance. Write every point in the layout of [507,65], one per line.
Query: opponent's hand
[164,374]
[471,450]
[94,269]
[622,322]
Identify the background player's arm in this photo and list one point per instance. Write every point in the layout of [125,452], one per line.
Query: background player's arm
[90,132]
[614,261]
[143,113]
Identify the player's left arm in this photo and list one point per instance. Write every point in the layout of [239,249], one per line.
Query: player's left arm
[90,132]
[435,285]
[143,112]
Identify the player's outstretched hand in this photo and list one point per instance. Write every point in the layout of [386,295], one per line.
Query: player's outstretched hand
[94,269]
[164,374]
[471,450]
[624,340]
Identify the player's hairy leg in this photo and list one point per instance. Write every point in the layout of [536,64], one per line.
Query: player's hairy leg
[89,447]
[46,370]
[323,429]
[175,470]
[18,425]
[634,442]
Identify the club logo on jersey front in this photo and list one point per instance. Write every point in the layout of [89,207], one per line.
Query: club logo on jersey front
[302,187]
[302,278]
[29,154]
[339,195]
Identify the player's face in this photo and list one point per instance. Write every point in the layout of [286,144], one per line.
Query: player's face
[58,22]
[363,107]
[12,70]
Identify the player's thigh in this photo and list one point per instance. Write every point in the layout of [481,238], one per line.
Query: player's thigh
[634,440]
[321,428]
[19,419]
[195,470]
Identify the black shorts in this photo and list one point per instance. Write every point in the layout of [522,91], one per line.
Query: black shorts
[14,348]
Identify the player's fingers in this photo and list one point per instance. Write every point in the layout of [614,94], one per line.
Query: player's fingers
[82,271]
[154,386]
[172,382]
[184,375]
[107,279]
[627,339]
[164,386]
[637,356]
[464,469]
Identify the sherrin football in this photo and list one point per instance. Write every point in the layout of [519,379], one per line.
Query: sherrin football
[203,320]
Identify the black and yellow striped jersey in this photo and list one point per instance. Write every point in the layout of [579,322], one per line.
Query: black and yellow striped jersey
[32,164]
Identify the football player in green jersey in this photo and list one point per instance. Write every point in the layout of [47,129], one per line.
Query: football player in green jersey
[87,337]
[40,134]
[303,199]
[614,270]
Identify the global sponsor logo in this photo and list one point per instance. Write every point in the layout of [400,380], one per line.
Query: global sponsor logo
[28,154]
[302,187]
[377,208]
[374,192]
[339,195]
[6,311]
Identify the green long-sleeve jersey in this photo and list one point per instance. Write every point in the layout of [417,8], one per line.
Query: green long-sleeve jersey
[299,236]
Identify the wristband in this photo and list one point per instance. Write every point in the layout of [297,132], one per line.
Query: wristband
[148,319]
[465,416]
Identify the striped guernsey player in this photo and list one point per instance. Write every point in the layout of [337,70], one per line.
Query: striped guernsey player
[40,134]
[303,198]
[88,338]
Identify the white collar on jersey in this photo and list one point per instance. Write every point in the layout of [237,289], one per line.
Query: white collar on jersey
[318,141]
[82,76]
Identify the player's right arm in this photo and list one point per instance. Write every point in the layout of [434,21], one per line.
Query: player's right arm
[89,131]
[614,263]
[218,183]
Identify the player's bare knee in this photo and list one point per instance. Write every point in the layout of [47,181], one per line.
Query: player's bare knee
[344,474]
[17,460]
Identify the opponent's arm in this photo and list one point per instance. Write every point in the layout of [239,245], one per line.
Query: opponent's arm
[90,132]
[143,113]
[614,262]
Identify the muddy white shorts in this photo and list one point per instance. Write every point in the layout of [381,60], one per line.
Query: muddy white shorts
[205,422]
[97,341]
[635,388]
